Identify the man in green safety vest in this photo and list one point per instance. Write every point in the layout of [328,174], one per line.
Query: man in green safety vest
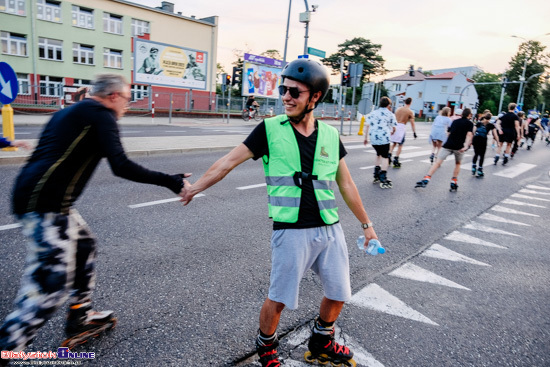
[303,159]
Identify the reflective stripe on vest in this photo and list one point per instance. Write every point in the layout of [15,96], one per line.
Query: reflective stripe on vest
[283,189]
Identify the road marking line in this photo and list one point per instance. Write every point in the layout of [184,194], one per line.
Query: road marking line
[481,227]
[528,197]
[10,226]
[437,251]
[538,187]
[527,191]
[156,202]
[515,202]
[496,218]
[414,272]
[416,154]
[251,186]
[370,167]
[175,131]
[462,237]
[498,208]
[515,170]
[375,298]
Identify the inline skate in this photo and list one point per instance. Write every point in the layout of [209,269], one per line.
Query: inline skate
[504,160]
[496,159]
[83,324]
[480,173]
[324,349]
[268,353]
[474,169]
[376,175]
[385,183]
[454,185]
[396,163]
[424,182]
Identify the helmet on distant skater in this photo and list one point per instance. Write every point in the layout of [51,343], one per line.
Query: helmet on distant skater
[309,72]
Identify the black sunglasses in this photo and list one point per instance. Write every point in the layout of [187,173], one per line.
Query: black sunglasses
[294,92]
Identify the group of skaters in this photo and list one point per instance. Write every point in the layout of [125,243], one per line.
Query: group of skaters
[303,161]
[450,135]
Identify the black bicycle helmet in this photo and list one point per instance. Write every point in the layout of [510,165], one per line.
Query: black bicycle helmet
[309,72]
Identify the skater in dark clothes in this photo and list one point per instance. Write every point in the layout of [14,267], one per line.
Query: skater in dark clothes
[61,246]
[459,140]
[481,132]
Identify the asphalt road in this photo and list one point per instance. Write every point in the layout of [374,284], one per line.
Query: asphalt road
[187,283]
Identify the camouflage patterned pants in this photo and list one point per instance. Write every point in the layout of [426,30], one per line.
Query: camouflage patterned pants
[60,262]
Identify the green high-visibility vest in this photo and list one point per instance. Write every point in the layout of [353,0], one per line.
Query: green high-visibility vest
[284,176]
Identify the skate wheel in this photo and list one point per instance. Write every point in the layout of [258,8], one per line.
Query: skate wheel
[309,357]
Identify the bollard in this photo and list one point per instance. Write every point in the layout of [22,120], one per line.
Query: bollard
[153,112]
[322,113]
[7,126]
[361,125]
[271,111]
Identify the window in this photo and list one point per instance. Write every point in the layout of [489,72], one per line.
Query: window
[50,49]
[139,27]
[112,23]
[83,54]
[83,17]
[419,95]
[49,10]
[51,86]
[16,7]
[396,87]
[82,83]
[139,92]
[112,58]
[444,88]
[457,89]
[14,44]
[24,83]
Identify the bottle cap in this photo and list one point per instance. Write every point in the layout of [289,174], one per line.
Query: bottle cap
[381,250]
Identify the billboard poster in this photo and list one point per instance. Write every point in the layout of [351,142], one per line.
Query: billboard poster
[168,65]
[261,76]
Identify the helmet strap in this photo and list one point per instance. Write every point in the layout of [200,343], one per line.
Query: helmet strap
[300,117]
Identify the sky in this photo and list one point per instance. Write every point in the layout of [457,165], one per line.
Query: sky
[431,34]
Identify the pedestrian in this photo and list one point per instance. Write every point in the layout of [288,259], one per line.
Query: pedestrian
[381,123]
[508,130]
[439,131]
[479,142]
[61,246]
[403,115]
[302,158]
[458,141]
[5,143]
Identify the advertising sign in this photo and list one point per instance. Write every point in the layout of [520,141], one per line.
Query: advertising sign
[261,76]
[173,66]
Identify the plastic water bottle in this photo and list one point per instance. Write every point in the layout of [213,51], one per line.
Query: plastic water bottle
[374,248]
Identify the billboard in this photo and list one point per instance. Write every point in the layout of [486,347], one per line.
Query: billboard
[168,65]
[261,76]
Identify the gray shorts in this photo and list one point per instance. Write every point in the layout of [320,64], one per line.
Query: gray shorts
[295,251]
[444,153]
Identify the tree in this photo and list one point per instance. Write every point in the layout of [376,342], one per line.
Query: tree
[272,54]
[360,51]
[531,54]
[545,97]
[489,95]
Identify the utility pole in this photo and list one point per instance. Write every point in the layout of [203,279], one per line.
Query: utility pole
[340,102]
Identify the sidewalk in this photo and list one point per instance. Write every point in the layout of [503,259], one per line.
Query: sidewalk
[167,145]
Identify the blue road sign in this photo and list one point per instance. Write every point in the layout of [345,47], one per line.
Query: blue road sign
[8,84]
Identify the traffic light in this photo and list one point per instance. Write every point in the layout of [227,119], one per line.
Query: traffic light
[346,80]
[504,84]
[411,70]
[227,79]
[477,105]
[237,75]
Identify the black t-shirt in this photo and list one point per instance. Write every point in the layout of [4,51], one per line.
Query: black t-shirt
[250,101]
[308,216]
[458,131]
[70,148]
[507,121]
